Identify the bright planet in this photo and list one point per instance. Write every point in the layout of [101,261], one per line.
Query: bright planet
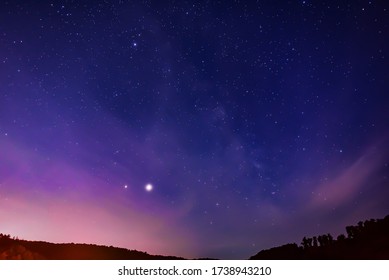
[149,187]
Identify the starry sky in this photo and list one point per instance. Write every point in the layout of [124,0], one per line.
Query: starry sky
[192,128]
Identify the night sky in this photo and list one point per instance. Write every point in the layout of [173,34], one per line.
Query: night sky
[192,128]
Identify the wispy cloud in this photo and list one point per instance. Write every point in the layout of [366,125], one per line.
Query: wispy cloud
[349,182]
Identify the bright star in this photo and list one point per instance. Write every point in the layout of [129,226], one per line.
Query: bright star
[149,187]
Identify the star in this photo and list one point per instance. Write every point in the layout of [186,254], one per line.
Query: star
[149,187]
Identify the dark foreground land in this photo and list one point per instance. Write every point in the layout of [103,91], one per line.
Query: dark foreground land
[12,248]
[366,240]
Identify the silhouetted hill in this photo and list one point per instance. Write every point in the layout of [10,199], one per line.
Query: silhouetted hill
[11,248]
[366,240]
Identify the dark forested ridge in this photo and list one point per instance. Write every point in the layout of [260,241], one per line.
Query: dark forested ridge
[366,240]
[13,248]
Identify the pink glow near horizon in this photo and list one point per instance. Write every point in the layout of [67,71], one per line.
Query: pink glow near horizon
[70,211]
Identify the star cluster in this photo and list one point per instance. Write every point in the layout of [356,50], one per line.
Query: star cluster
[192,128]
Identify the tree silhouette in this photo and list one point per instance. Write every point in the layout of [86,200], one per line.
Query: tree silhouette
[320,239]
[330,238]
[341,238]
[314,241]
[324,240]
[309,242]
[305,243]
[351,232]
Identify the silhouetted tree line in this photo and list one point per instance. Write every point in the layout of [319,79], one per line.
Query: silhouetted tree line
[5,236]
[321,240]
[366,240]
[12,248]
